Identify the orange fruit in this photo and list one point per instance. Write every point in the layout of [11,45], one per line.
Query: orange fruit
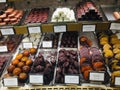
[21,64]
[22,76]
[16,71]
[26,53]
[10,68]
[7,75]
[29,62]
[15,62]
[24,59]
[33,50]
[19,56]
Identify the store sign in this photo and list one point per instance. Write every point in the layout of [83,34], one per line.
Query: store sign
[36,79]
[7,31]
[34,29]
[115,26]
[47,44]
[10,82]
[2,1]
[59,28]
[117,81]
[89,28]
[96,76]
[71,79]
[3,49]
[27,45]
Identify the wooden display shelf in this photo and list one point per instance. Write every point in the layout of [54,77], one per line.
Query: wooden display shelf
[70,87]
[69,27]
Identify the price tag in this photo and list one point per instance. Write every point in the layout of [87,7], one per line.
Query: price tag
[97,76]
[115,26]
[34,29]
[7,31]
[117,81]
[89,28]
[36,79]
[27,45]
[61,28]
[3,49]
[47,44]
[10,82]
[2,1]
[72,79]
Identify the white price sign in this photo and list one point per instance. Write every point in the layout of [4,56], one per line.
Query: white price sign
[34,29]
[115,26]
[36,79]
[117,81]
[97,76]
[47,44]
[2,1]
[89,28]
[7,31]
[72,79]
[27,45]
[3,49]
[10,82]
[61,28]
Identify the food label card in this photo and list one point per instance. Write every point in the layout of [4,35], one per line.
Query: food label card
[89,28]
[34,29]
[96,76]
[71,79]
[10,82]
[36,79]
[60,28]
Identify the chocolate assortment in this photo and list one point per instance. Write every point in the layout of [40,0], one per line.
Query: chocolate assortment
[10,42]
[11,16]
[87,11]
[44,64]
[91,59]
[63,14]
[20,66]
[37,15]
[51,37]
[34,38]
[110,44]
[69,40]
[4,60]
[67,64]
[116,15]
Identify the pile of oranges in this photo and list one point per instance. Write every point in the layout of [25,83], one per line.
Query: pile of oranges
[21,65]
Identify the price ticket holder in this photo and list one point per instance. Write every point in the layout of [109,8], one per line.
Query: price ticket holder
[3,1]
[72,79]
[3,49]
[89,28]
[115,26]
[47,44]
[7,31]
[97,77]
[117,81]
[34,29]
[27,45]
[36,79]
[10,82]
[60,28]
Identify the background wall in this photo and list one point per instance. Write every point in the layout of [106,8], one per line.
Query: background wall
[23,4]
[55,3]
